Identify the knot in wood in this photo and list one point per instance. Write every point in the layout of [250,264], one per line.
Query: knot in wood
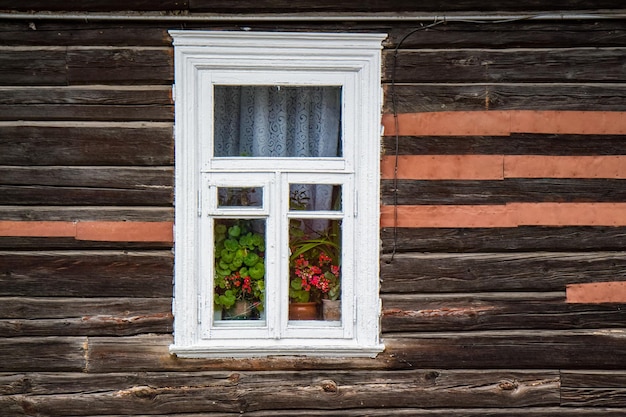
[507,385]
[329,385]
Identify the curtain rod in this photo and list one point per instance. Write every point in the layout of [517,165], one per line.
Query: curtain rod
[318,17]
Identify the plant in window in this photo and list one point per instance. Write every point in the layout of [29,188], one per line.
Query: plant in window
[315,271]
[239,269]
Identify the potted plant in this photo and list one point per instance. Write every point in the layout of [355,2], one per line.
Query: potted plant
[315,272]
[239,286]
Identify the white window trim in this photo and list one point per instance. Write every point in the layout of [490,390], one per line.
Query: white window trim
[298,57]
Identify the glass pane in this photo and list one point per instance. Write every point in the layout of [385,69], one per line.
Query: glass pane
[239,287]
[277,121]
[239,197]
[315,269]
[314,197]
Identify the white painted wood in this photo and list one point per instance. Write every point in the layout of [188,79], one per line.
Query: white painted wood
[351,61]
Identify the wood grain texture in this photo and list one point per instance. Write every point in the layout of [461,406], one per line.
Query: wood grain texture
[516,144]
[114,103]
[434,97]
[97,5]
[508,65]
[549,349]
[110,186]
[529,238]
[117,144]
[86,274]
[493,311]
[414,192]
[496,272]
[77,213]
[248,392]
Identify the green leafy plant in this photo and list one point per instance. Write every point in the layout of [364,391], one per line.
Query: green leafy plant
[239,264]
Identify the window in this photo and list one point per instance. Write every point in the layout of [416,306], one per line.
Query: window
[277,194]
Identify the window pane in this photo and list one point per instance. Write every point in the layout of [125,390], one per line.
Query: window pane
[239,287]
[314,197]
[315,269]
[239,197]
[277,121]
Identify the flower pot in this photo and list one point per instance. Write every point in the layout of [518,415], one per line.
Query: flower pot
[303,311]
[331,310]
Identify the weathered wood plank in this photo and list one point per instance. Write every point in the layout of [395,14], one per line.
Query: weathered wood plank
[396,6]
[62,33]
[492,311]
[52,354]
[516,144]
[132,65]
[593,389]
[87,144]
[95,103]
[241,392]
[570,349]
[56,213]
[525,238]
[533,349]
[539,271]
[411,98]
[21,317]
[86,186]
[32,66]
[96,5]
[57,307]
[11,243]
[416,192]
[511,65]
[86,274]
[512,34]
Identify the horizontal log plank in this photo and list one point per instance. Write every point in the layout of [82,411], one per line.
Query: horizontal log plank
[77,213]
[512,34]
[515,144]
[104,65]
[524,238]
[52,354]
[416,192]
[511,65]
[101,325]
[86,274]
[121,65]
[540,271]
[69,243]
[58,307]
[571,349]
[123,103]
[98,5]
[33,66]
[87,144]
[533,349]
[29,316]
[593,388]
[309,390]
[225,6]
[433,97]
[85,186]
[492,311]
[91,33]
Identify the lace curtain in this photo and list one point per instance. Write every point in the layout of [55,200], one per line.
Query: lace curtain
[275,121]
[280,121]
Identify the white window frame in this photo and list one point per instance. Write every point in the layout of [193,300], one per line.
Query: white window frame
[352,61]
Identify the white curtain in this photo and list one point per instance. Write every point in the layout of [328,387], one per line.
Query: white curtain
[275,121]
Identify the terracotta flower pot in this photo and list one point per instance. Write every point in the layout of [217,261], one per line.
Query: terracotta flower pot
[303,311]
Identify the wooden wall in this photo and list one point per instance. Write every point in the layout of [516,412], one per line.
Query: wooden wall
[510,187]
